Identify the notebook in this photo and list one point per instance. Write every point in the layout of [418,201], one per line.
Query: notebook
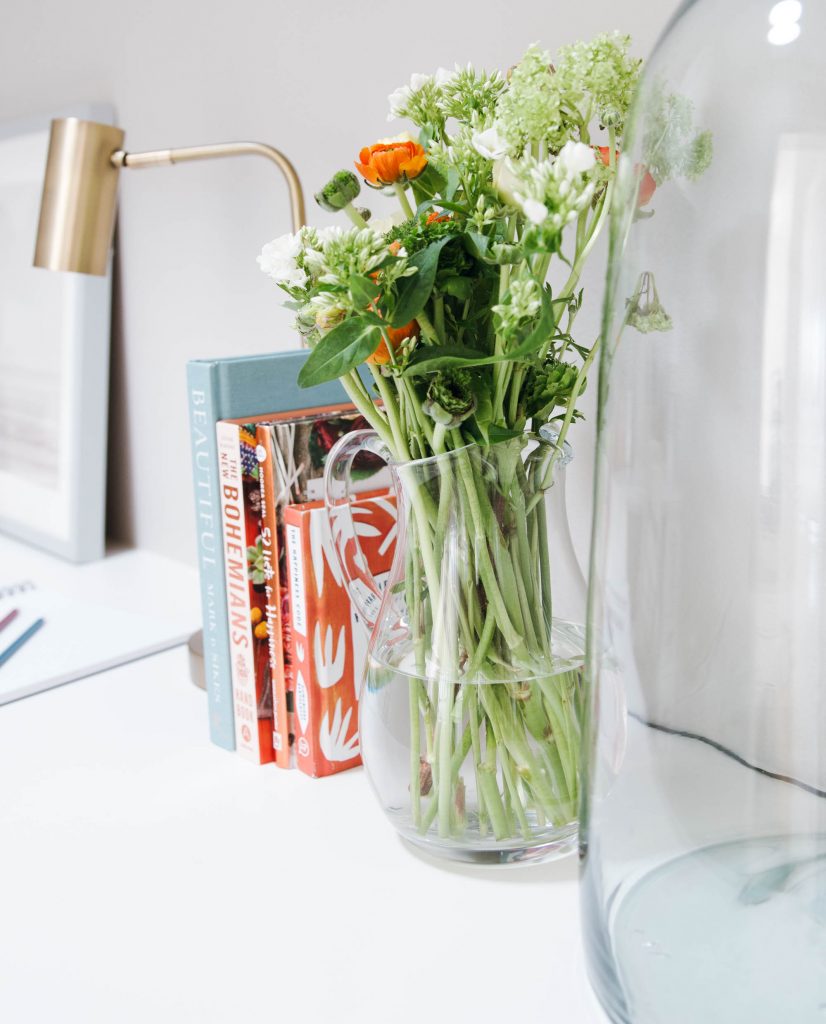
[77,639]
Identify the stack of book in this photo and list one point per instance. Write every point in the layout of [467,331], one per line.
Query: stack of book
[283,648]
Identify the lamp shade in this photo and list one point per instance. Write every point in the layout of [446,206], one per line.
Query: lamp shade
[77,211]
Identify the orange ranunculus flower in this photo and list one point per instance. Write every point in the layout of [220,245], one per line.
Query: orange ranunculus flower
[395,335]
[647,184]
[385,163]
[436,217]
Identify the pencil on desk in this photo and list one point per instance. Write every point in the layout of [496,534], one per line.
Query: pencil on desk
[22,639]
[9,618]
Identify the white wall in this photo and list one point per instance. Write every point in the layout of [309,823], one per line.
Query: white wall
[310,78]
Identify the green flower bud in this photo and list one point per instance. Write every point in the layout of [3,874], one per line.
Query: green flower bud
[504,252]
[610,117]
[327,319]
[548,387]
[339,191]
[645,311]
[450,398]
[305,321]
[364,212]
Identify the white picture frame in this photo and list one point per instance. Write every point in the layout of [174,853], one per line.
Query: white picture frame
[55,331]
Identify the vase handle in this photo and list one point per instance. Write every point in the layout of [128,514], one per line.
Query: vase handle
[362,586]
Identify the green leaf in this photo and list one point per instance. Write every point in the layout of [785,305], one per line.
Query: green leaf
[458,287]
[497,433]
[442,357]
[363,291]
[430,183]
[414,291]
[452,182]
[476,244]
[346,345]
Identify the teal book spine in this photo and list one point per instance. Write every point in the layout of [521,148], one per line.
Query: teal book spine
[219,389]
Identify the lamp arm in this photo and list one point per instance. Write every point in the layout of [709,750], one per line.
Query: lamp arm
[164,157]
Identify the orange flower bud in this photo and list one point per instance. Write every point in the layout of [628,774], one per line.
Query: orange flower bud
[388,163]
[395,335]
[435,217]
[260,631]
[647,184]
[256,615]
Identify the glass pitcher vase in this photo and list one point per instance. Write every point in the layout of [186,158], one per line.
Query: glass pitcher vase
[471,701]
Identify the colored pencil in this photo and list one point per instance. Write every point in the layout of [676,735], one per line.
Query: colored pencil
[22,639]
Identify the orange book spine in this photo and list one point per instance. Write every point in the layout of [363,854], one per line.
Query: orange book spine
[328,640]
[271,544]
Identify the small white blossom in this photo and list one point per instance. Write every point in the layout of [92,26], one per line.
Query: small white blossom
[443,77]
[381,225]
[574,158]
[536,212]
[417,81]
[278,261]
[329,233]
[398,101]
[490,144]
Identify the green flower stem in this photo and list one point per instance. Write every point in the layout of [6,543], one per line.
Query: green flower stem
[516,801]
[483,644]
[445,731]
[415,724]
[439,315]
[476,746]
[453,767]
[544,565]
[428,330]
[391,410]
[575,393]
[401,192]
[352,384]
[499,817]
[582,254]
[355,217]
[512,637]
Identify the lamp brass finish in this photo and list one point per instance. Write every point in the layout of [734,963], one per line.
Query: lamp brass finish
[77,213]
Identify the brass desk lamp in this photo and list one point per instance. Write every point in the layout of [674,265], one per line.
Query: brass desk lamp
[77,211]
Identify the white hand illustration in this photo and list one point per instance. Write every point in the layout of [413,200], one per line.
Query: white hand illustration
[329,667]
[389,508]
[333,740]
[323,544]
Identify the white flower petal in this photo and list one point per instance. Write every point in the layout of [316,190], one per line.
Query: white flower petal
[490,144]
[398,100]
[443,77]
[536,212]
[575,158]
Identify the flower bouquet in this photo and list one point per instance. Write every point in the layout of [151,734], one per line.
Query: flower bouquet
[451,325]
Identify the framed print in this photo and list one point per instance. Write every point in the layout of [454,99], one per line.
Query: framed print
[54,366]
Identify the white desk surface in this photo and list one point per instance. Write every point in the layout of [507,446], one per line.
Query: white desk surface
[148,876]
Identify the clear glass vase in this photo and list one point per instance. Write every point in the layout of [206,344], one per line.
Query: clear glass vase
[471,704]
[704,825]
